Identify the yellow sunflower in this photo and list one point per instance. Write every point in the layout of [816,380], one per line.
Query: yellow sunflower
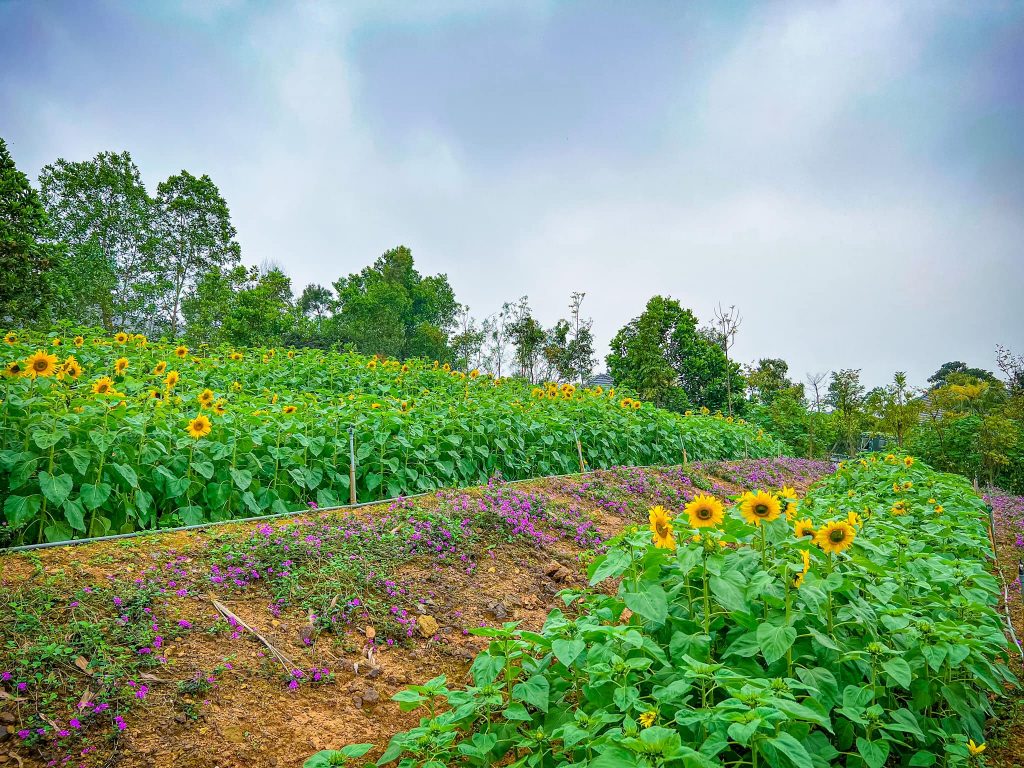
[375,405]
[11,338]
[235,356]
[854,519]
[159,368]
[79,341]
[181,351]
[291,354]
[908,461]
[899,508]
[13,370]
[372,364]
[975,749]
[288,410]
[474,373]
[40,363]
[200,426]
[56,342]
[759,507]
[938,509]
[791,509]
[835,536]
[236,386]
[626,402]
[661,527]
[103,386]
[799,579]
[220,406]
[71,368]
[647,718]
[788,492]
[121,338]
[705,511]
[803,528]
[205,397]
[120,365]
[446,368]
[172,379]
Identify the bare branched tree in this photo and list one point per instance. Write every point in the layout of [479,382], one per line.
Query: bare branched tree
[815,380]
[727,323]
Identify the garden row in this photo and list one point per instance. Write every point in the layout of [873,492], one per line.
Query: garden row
[112,435]
[854,627]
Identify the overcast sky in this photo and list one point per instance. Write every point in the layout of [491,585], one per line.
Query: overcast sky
[849,174]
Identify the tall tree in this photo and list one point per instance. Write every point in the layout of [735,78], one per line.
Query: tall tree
[570,347]
[664,358]
[768,378]
[942,376]
[390,309]
[26,256]
[528,338]
[194,234]
[727,325]
[239,306]
[846,396]
[100,208]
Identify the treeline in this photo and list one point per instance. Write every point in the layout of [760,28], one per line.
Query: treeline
[93,247]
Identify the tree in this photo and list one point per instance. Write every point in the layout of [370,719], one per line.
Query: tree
[898,410]
[467,344]
[239,306]
[815,380]
[768,378]
[528,338]
[194,234]
[100,208]
[570,346]
[663,357]
[1012,367]
[26,255]
[846,396]
[390,309]
[941,377]
[497,333]
[727,323]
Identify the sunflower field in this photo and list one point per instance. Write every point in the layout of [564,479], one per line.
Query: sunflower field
[855,627]
[118,434]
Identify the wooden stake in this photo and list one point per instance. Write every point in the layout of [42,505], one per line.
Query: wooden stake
[579,451]
[352,465]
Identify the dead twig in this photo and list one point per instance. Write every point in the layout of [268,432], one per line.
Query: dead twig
[228,614]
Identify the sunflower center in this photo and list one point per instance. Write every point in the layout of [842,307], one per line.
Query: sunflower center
[837,536]
[40,365]
[102,388]
[662,529]
[704,513]
[761,510]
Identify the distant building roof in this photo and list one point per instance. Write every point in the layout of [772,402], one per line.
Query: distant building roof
[601,380]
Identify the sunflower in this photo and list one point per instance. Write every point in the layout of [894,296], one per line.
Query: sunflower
[446,368]
[156,394]
[803,528]
[791,509]
[647,718]
[288,410]
[79,341]
[235,356]
[835,536]
[236,386]
[760,506]
[181,351]
[975,749]
[636,404]
[205,398]
[172,379]
[56,341]
[938,510]
[788,492]
[405,406]
[103,386]
[141,340]
[854,519]
[474,373]
[71,368]
[120,365]
[200,426]
[661,527]
[40,363]
[626,402]
[13,370]
[291,354]
[375,405]
[908,461]
[899,508]
[159,368]
[705,511]
[405,368]
[799,579]
[11,338]
[220,406]
[372,364]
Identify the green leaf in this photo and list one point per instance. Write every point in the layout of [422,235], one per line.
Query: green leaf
[875,753]
[128,474]
[203,467]
[21,509]
[55,488]
[650,601]
[775,641]
[792,749]
[191,515]
[567,651]
[47,439]
[609,566]
[534,691]
[93,496]
[242,478]
[75,514]
[899,670]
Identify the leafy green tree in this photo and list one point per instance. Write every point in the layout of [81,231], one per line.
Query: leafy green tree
[528,339]
[768,379]
[193,235]
[941,377]
[570,346]
[468,341]
[895,408]
[390,309]
[846,396]
[239,306]
[101,209]
[663,357]
[26,255]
